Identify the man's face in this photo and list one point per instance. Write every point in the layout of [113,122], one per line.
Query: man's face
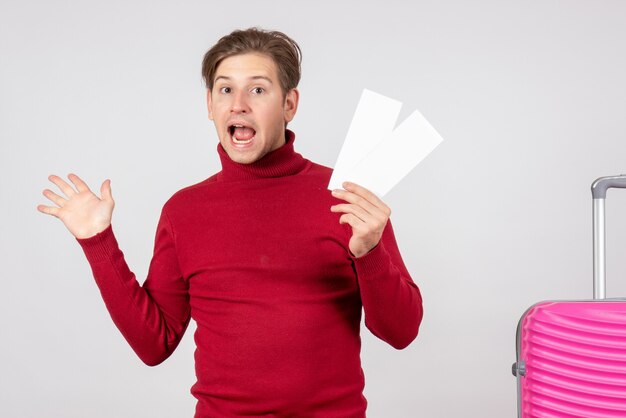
[248,107]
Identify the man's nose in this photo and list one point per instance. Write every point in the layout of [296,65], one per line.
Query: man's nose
[240,103]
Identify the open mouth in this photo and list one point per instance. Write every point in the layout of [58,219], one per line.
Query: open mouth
[241,134]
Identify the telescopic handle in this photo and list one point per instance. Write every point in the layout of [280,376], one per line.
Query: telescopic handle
[598,191]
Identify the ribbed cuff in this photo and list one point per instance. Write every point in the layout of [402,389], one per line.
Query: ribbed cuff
[368,265]
[99,247]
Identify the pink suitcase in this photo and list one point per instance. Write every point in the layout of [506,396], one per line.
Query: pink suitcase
[571,355]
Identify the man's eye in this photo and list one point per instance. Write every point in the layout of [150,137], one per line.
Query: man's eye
[258,90]
[225,90]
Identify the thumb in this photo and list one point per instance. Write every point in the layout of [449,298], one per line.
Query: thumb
[105,190]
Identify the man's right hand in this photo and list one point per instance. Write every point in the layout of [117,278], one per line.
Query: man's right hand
[82,212]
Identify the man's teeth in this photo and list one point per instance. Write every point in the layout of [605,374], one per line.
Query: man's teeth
[240,141]
[237,141]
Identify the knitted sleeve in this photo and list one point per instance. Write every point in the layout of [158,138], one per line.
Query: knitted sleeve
[392,302]
[152,317]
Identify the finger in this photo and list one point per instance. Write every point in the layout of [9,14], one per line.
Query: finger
[351,220]
[367,195]
[61,184]
[55,198]
[356,210]
[361,191]
[355,199]
[105,190]
[48,210]
[81,186]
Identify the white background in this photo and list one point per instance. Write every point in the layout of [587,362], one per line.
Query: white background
[530,97]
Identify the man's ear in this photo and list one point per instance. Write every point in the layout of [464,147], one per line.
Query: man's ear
[291,104]
[209,104]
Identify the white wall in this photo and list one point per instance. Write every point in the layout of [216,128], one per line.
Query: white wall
[529,96]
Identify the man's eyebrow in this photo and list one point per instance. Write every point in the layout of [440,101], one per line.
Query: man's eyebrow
[256,77]
[262,77]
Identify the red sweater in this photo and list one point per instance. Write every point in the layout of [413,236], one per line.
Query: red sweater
[255,256]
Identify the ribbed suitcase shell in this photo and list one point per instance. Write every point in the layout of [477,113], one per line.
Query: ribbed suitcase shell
[571,355]
[574,355]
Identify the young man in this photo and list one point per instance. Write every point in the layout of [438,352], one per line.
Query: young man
[273,267]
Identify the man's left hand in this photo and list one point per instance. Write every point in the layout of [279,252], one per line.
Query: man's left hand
[365,213]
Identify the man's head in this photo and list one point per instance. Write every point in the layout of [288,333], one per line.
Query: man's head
[251,78]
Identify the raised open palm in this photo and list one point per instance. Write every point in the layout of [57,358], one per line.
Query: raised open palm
[82,212]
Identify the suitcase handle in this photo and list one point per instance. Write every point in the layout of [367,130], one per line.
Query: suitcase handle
[598,191]
[601,185]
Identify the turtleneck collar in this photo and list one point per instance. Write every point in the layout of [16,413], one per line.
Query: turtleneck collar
[281,162]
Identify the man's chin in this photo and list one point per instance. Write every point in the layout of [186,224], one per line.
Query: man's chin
[242,158]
